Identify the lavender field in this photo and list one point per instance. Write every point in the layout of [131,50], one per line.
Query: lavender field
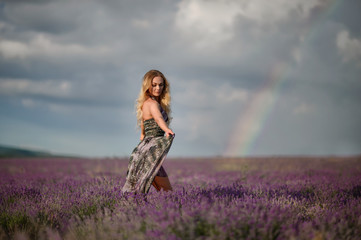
[245,198]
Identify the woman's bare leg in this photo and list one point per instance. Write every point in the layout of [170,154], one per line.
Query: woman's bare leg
[155,185]
[162,183]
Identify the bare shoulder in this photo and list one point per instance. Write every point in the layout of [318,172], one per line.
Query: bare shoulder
[150,103]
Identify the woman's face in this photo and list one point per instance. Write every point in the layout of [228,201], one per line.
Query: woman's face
[157,86]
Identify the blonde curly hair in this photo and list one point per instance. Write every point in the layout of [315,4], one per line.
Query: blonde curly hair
[144,94]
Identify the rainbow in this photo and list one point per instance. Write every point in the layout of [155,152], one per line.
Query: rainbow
[251,122]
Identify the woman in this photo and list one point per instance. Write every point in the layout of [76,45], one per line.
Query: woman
[145,164]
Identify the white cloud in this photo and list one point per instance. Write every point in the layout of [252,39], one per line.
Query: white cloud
[54,107]
[206,19]
[207,107]
[13,49]
[227,94]
[296,54]
[141,23]
[212,22]
[349,48]
[27,102]
[27,89]
[272,12]
[200,94]
[43,46]
[303,108]
[56,88]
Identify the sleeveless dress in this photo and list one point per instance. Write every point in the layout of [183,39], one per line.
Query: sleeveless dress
[147,158]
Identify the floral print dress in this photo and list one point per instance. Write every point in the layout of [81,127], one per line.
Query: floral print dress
[147,158]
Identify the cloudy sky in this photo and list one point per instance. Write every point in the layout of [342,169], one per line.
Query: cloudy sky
[248,77]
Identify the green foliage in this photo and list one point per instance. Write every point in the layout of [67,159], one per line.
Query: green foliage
[204,228]
[85,211]
[12,222]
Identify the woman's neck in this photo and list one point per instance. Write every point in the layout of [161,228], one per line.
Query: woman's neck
[155,98]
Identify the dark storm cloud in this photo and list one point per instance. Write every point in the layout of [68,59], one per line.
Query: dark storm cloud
[321,120]
[349,15]
[39,16]
[26,1]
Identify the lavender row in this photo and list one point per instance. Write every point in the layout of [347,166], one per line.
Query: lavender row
[258,198]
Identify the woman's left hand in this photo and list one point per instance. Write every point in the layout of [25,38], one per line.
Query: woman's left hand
[169,132]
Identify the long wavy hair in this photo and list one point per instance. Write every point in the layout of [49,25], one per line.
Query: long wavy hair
[144,94]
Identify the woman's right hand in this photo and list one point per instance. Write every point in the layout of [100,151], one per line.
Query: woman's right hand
[169,132]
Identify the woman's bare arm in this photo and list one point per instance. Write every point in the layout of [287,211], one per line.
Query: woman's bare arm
[156,114]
